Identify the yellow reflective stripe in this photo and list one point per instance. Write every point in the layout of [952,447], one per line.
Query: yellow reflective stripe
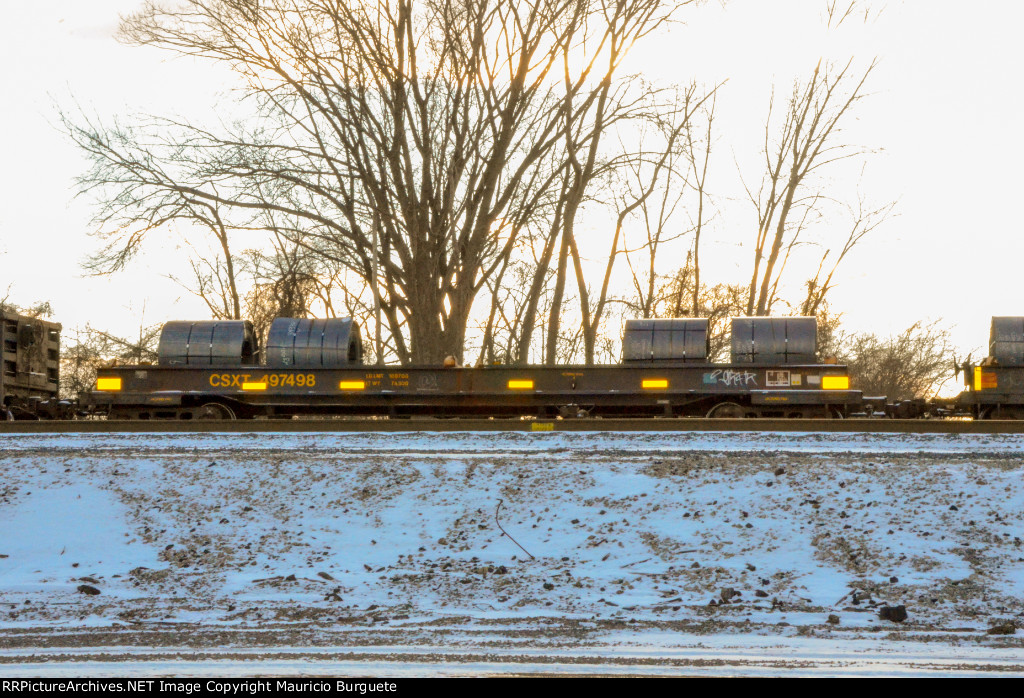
[108,384]
[352,385]
[254,386]
[521,384]
[835,382]
[984,380]
[653,383]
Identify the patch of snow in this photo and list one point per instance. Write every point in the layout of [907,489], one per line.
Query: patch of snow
[54,536]
[372,534]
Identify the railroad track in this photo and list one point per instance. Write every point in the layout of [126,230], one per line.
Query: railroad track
[879,426]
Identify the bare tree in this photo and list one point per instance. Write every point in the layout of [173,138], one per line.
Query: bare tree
[862,222]
[912,364]
[699,154]
[716,302]
[89,349]
[443,125]
[627,185]
[831,337]
[142,190]
[789,196]
[78,363]
[839,11]
[40,309]
[585,167]
[648,173]
[684,165]
[284,285]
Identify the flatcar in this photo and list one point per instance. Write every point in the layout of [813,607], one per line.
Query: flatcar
[212,370]
[30,376]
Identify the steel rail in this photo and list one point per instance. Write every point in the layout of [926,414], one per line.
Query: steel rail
[880,426]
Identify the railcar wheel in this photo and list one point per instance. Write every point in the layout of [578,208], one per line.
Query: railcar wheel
[727,410]
[213,410]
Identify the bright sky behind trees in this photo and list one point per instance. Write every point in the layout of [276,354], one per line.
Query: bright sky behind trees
[945,114]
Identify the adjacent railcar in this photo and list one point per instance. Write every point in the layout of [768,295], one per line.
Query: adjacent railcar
[995,388]
[314,367]
[30,375]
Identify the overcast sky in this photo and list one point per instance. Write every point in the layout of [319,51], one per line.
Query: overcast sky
[945,114]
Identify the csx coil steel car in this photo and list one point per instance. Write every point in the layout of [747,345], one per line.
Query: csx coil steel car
[211,370]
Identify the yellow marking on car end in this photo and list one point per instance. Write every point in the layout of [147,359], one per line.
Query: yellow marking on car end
[835,382]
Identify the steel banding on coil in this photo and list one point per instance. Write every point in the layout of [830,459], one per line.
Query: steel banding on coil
[312,343]
[774,340]
[207,343]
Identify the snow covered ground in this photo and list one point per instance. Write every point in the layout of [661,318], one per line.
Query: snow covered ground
[729,553]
